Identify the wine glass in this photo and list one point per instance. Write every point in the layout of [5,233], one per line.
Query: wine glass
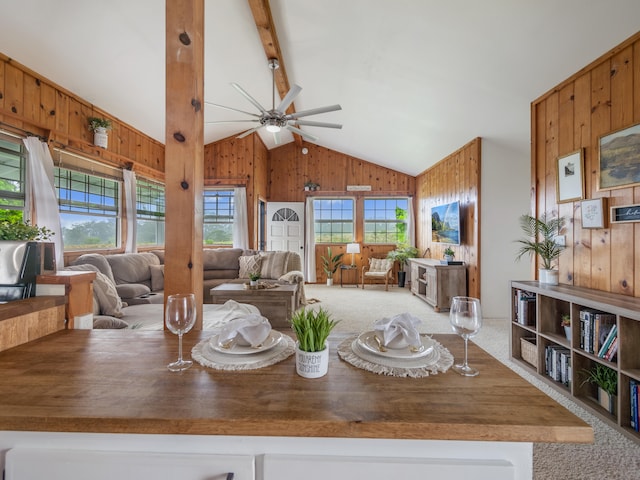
[180,316]
[465,317]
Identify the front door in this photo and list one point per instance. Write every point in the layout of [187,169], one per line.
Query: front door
[285,227]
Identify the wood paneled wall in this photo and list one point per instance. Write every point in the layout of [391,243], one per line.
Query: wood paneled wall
[601,98]
[30,102]
[454,178]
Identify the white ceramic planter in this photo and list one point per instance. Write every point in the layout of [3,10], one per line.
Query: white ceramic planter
[567,333]
[312,364]
[100,137]
[329,282]
[548,277]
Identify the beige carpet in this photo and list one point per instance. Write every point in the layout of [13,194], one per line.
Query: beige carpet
[612,456]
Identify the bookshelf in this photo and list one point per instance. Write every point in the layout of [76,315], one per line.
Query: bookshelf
[539,344]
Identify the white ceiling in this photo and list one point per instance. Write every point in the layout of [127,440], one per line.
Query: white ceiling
[417,79]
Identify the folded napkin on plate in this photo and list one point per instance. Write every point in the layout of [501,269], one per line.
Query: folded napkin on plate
[252,329]
[399,331]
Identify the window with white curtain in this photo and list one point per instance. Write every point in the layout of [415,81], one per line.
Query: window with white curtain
[13,174]
[385,220]
[218,216]
[150,213]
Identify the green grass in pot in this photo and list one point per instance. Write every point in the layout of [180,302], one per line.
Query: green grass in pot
[312,329]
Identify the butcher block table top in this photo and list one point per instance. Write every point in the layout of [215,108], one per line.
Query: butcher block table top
[116,381]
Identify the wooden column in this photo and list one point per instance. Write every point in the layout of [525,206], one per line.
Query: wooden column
[184,150]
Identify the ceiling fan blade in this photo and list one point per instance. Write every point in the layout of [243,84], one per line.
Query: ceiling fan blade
[289,98]
[232,109]
[233,121]
[249,132]
[313,111]
[305,135]
[248,97]
[310,123]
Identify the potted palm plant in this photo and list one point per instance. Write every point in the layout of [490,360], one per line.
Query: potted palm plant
[402,254]
[312,328]
[330,264]
[542,236]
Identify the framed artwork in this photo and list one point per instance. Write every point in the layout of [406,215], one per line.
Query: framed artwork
[619,159]
[570,182]
[593,213]
[625,214]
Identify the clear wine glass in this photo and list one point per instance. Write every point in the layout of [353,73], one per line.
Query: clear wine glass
[465,317]
[180,316]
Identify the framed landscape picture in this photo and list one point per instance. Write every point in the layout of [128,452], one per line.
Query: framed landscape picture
[619,159]
[570,181]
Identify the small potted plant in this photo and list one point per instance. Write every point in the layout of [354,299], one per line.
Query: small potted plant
[449,254]
[606,379]
[253,279]
[402,254]
[542,236]
[312,328]
[565,322]
[17,230]
[99,127]
[330,264]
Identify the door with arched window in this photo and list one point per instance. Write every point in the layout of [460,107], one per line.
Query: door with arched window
[285,227]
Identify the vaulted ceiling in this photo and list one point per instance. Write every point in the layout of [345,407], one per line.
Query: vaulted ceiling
[416,79]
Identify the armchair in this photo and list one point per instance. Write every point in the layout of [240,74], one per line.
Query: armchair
[377,270]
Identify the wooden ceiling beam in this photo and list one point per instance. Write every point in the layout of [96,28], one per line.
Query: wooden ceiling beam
[268,36]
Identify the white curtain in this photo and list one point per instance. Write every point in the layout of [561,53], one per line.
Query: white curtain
[411,224]
[131,209]
[43,192]
[309,243]
[240,222]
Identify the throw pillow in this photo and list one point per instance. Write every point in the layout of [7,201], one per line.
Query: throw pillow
[274,264]
[109,322]
[157,277]
[131,290]
[249,265]
[108,299]
[379,264]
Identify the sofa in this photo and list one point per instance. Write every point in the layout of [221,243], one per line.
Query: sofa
[139,277]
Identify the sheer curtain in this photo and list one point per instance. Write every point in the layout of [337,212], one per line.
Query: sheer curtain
[240,221]
[309,243]
[130,202]
[45,203]
[411,224]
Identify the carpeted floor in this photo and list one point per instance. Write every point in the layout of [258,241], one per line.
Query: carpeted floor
[612,456]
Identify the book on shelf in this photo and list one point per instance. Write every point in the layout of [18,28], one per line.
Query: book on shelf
[594,329]
[633,391]
[525,306]
[558,363]
[613,351]
[611,335]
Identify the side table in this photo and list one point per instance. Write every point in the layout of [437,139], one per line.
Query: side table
[349,268]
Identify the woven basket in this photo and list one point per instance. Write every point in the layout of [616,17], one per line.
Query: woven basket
[528,351]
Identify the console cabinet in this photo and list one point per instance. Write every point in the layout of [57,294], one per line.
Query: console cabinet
[537,334]
[437,283]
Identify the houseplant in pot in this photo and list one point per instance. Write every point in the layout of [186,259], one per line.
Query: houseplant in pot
[402,254]
[541,241]
[606,379]
[449,254]
[330,264]
[312,328]
[565,322]
[99,127]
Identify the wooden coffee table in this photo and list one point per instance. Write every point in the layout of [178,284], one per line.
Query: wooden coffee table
[277,304]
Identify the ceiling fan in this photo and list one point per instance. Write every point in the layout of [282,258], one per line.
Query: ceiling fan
[276,119]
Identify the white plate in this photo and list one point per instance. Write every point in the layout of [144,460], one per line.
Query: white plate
[368,342]
[272,340]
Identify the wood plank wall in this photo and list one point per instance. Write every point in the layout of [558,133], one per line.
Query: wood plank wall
[599,99]
[30,102]
[454,178]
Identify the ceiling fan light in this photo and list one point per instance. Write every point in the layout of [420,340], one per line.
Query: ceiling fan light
[273,128]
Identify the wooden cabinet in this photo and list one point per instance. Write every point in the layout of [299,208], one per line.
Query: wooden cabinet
[537,337]
[77,287]
[437,283]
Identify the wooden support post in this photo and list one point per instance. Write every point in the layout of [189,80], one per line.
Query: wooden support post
[184,151]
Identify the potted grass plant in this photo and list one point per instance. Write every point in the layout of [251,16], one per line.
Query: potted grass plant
[312,328]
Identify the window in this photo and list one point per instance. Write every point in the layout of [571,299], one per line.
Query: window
[385,220]
[218,217]
[12,179]
[149,213]
[89,210]
[333,220]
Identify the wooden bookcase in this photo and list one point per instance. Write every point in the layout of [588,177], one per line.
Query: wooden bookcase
[544,329]
[436,283]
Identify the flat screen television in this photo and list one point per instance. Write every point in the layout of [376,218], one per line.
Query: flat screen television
[445,223]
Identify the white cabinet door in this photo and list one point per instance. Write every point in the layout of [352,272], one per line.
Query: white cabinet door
[290,467]
[70,464]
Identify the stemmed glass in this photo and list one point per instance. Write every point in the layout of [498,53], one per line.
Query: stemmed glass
[465,317]
[180,316]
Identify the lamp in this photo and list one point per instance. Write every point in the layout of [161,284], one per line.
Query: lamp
[272,126]
[353,248]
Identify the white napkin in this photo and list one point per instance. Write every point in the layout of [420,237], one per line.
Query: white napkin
[399,331]
[252,329]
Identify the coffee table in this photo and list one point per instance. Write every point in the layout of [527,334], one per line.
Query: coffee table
[277,304]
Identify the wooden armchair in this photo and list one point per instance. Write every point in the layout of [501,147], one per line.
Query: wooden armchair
[378,269]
